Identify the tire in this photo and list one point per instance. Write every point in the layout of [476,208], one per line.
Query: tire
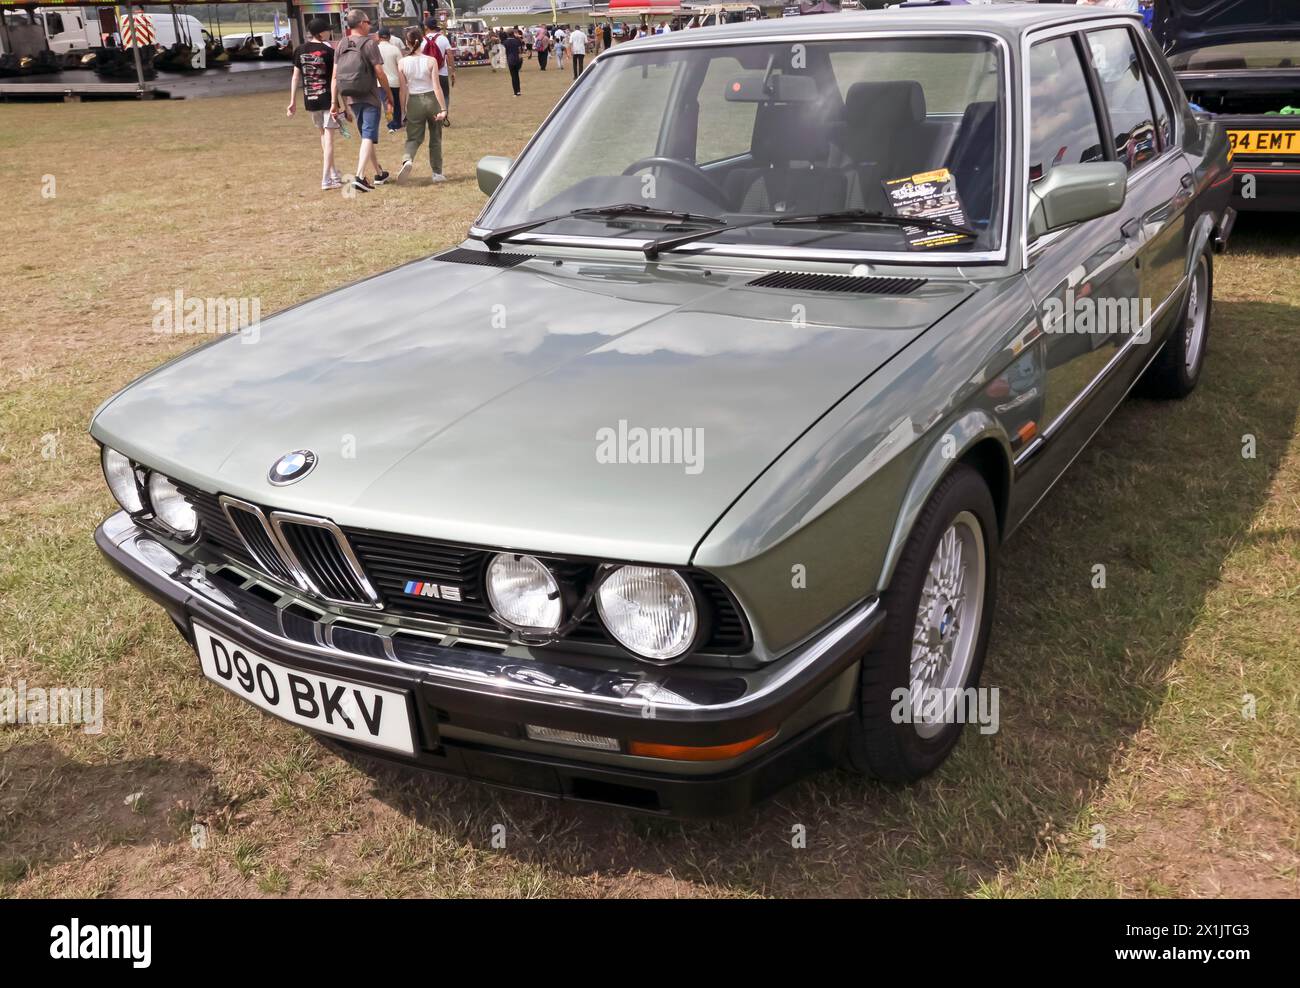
[879,745]
[1176,370]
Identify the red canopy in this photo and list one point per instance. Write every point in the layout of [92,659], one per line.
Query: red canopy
[638,7]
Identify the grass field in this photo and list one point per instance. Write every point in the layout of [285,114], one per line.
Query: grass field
[1124,766]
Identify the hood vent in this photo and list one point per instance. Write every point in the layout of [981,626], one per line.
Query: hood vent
[486,258]
[807,281]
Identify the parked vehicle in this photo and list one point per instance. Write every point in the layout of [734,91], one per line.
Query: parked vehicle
[1241,62]
[689,470]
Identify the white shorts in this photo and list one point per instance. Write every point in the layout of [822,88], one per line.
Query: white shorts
[323,119]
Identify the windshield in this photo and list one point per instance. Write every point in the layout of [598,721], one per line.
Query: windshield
[1243,55]
[740,134]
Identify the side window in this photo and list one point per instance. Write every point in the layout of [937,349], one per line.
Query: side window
[1062,118]
[1160,100]
[726,128]
[53,24]
[1122,84]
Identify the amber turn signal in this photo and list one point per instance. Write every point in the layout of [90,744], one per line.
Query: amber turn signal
[684,753]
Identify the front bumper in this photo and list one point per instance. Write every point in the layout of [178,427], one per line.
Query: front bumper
[469,706]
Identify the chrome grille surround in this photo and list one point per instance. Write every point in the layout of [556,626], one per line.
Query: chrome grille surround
[287,547]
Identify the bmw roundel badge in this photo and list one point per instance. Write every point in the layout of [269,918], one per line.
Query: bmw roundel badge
[291,467]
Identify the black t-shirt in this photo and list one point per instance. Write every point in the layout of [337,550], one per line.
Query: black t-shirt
[513,47]
[316,60]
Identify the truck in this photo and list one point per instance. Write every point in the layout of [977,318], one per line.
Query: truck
[49,38]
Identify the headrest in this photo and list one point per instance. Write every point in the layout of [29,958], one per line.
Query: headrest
[786,132]
[876,112]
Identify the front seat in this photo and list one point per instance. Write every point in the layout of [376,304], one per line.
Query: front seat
[883,137]
[789,172]
[973,161]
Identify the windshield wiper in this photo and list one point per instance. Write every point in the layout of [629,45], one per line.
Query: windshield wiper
[494,239]
[844,216]
[849,216]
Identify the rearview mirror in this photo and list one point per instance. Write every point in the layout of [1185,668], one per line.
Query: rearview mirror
[1075,193]
[491,170]
[760,87]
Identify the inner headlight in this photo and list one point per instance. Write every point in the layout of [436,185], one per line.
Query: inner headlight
[523,593]
[650,611]
[120,474]
[170,507]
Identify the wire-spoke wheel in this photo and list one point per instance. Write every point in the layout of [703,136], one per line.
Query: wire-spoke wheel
[938,610]
[947,621]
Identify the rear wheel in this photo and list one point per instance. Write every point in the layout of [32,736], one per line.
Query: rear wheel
[1175,372]
[938,611]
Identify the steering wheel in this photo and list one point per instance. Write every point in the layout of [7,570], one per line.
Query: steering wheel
[695,176]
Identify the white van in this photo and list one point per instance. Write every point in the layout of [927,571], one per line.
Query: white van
[184,28]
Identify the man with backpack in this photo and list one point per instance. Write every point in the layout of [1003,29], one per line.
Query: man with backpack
[358,74]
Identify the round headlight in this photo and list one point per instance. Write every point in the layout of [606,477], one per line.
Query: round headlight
[523,592]
[170,506]
[120,474]
[650,611]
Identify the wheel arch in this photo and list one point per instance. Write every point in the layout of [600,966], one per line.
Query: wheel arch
[1205,226]
[976,439]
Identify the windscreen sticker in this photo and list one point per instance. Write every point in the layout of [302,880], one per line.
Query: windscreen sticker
[932,195]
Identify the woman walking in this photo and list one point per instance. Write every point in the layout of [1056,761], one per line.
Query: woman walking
[422,105]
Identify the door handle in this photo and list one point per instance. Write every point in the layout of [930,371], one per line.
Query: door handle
[1186,181]
[1130,228]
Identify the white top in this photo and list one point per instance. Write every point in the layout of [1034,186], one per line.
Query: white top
[390,54]
[578,42]
[444,46]
[418,70]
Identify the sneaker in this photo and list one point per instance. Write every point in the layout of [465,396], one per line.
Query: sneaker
[361,185]
[336,176]
[332,183]
[438,177]
[381,177]
[403,171]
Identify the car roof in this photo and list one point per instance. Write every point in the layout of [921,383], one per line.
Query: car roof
[1008,20]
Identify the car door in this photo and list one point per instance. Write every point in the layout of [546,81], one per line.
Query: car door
[1084,279]
[1160,179]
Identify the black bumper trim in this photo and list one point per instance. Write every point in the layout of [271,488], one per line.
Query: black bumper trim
[682,796]
[502,706]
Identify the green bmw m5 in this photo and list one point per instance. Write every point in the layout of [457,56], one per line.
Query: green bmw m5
[686,473]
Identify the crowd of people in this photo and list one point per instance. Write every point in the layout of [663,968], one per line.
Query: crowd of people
[363,78]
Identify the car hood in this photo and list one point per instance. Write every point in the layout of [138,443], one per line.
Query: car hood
[502,406]
[1184,25]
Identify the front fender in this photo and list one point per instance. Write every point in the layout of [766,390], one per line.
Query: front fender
[947,448]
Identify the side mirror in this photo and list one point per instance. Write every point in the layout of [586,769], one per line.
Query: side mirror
[492,169]
[1075,193]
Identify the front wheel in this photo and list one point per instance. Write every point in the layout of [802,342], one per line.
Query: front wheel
[938,611]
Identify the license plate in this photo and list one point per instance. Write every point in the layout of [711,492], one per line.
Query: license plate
[1281,142]
[370,716]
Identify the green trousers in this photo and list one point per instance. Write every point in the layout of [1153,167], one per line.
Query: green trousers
[421,111]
